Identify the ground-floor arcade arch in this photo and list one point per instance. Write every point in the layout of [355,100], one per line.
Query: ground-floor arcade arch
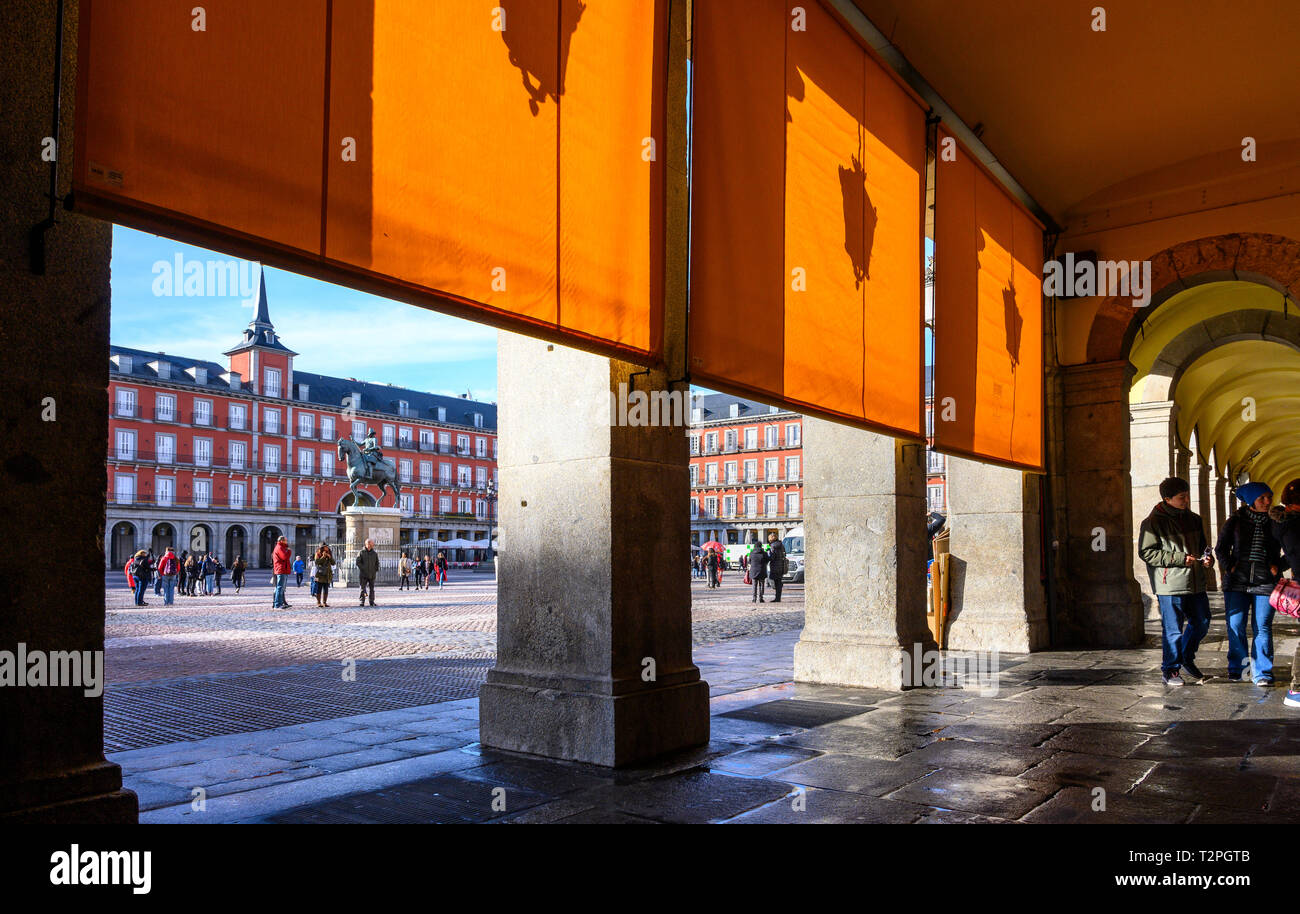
[122,543]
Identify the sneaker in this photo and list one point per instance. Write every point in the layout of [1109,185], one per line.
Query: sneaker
[1264,683]
[1191,673]
[1172,679]
[1234,677]
[1292,699]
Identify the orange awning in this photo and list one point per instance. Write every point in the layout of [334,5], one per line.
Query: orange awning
[808,185]
[988,316]
[480,157]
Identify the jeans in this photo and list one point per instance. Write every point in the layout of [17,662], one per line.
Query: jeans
[139,591]
[1186,619]
[367,582]
[209,583]
[169,588]
[1255,606]
[299,574]
[760,587]
[278,599]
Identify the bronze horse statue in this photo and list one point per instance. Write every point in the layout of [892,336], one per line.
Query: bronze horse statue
[361,469]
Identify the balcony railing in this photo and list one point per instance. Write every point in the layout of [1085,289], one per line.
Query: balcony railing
[757,481]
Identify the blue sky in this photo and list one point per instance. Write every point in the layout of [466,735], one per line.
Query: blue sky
[334,330]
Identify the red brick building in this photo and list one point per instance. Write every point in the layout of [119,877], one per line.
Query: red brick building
[227,458]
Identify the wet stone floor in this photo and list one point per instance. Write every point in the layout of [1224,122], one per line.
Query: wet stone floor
[1087,737]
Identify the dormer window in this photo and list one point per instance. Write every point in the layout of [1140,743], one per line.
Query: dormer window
[302,391]
[162,369]
[478,420]
[123,363]
[735,410]
[442,414]
[697,414]
[199,374]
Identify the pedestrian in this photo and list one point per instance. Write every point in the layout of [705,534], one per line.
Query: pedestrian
[1171,541]
[311,578]
[217,571]
[157,579]
[756,568]
[280,571]
[168,567]
[404,574]
[209,575]
[367,562]
[441,569]
[1286,529]
[141,571]
[1250,558]
[421,569]
[777,565]
[298,568]
[180,571]
[191,574]
[237,569]
[713,562]
[324,562]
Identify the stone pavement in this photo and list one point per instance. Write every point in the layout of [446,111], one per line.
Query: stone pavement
[1089,736]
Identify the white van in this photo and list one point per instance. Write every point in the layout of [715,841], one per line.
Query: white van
[793,543]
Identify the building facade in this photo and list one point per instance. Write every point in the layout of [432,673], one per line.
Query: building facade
[228,458]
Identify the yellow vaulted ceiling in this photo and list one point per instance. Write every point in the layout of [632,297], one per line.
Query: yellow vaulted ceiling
[1242,397]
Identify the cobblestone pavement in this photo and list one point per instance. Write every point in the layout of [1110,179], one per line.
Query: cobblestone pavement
[232,632]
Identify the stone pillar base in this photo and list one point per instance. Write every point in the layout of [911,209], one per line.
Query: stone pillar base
[601,729]
[90,795]
[850,663]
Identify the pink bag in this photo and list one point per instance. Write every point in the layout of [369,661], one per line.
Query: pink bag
[1286,598]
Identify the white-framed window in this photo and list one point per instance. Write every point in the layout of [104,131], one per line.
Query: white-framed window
[327,463]
[731,472]
[124,488]
[711,443]
[304,499]
[929,422]
[695,474]
[792,435]
[711,474]
[237,416]
[426,439]
[202,493]
[125,442]
[494,448]
[305,425]
[751,505]
[271,497]
[463,475]
[480,508]
[326,428]
[478,420]
[462,445]
[165,448]
[769,505]
[730,439]
[444,474]
[306,457]
[408,505]
[711,507]
[236,495]
[202,412]
[271,382]
[404,470]
[426,472]
[444,439]
[695,508]
[404,437]
[771,434]
[792,504]
[271,421]
[164,488]
[238,455]
[125,402]
[935,497]
[358,431]
[403,408]
[426,505]
[480,447]
[695,444]
[480,477]
[936,462]
[388,435]
[751,471]
[442,414]
[271,458]
[729,506]
[463,506]
[792,469]
[444,504]
[164,407]
[203,452]
[751,438]
[769,469]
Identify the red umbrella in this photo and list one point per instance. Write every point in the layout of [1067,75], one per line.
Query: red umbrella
[714,544]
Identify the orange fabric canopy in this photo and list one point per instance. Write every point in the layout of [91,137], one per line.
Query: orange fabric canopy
[808,187]
[988,316]
[488,158]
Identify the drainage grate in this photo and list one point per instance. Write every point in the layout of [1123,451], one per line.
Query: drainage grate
[181,710]
[795,712]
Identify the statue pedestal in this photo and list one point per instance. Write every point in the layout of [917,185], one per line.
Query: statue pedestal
[384,526]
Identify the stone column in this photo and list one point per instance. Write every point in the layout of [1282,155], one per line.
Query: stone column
[1103,603]
[996,585]
[593,601]
[1153,458]
[864,535]
[55,341]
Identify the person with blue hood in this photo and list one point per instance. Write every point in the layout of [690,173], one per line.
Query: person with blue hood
[1250,563]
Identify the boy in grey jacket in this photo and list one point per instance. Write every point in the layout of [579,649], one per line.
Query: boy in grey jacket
[1172,543]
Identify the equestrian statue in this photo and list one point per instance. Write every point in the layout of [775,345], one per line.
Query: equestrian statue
[367,465]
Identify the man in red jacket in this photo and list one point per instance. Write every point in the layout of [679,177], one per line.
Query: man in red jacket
[168,566]
[281,559]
